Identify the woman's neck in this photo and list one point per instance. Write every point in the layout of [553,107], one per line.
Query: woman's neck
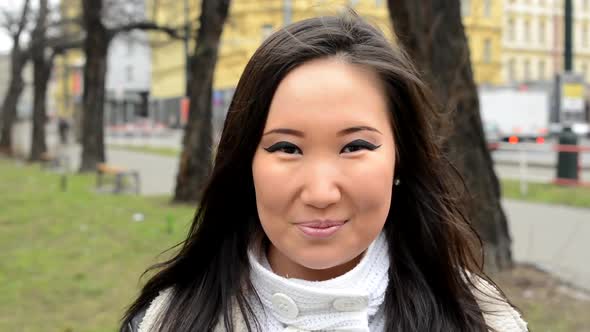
[285,267]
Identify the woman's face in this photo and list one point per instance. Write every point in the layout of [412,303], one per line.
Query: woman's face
[323,171]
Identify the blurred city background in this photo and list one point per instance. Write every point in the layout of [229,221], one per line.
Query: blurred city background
[105,141]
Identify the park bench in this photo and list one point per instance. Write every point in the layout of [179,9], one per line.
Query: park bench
[124,179]
[55,162]
[59,163]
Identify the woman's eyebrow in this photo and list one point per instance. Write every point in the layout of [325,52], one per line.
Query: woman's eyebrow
[286,131]
[343,132]
[355,129]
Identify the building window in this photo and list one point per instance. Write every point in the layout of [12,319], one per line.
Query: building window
[526,31]
[585,4]
[465,8]
[542,32]
[511,70]
[527,70]
[585,35]
[266,30]
[542,69]
[511,29]
[487,8]
[487,50]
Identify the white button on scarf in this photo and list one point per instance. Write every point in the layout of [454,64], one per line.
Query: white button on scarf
[350,303]
[312,302]
[284,306]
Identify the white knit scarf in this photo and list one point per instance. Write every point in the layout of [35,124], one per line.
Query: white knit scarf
[350,302]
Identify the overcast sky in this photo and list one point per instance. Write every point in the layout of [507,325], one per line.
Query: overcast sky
[14,5]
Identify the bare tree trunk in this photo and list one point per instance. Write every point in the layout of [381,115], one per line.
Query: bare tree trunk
[19,59]
[9,106]
[432,33]
[41,71]
[38,143]
[96,48]
[195,161]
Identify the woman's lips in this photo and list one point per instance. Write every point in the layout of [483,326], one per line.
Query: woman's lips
[320,229]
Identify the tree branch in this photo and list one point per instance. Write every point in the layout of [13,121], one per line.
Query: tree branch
[63,22]
[23,21]
[60,45]
[146,26]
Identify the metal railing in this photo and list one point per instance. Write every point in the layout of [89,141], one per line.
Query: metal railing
[525,163]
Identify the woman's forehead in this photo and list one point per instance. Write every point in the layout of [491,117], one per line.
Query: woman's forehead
[328,90]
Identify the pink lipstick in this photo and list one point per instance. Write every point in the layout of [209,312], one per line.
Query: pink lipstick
[320,228]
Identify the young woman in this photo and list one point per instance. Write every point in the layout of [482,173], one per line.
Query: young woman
[330,206]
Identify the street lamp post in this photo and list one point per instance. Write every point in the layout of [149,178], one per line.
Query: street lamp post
[568,45]
[567,162]
[187,31]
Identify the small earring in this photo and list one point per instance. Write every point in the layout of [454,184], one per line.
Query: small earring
[396,182]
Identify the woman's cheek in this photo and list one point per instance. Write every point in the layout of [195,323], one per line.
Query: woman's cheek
[371,188]
[271,181]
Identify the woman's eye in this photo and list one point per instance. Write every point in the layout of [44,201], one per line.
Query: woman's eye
[284,147]
[357,145]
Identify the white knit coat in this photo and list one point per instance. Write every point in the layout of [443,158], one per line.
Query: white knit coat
[351,302]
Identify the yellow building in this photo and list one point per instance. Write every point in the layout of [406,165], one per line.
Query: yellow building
[483,25]
[248,23]
[534,38]
[509,40]
[67,75]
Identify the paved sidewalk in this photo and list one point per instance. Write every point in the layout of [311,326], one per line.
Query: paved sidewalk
[157,173]
[555,238]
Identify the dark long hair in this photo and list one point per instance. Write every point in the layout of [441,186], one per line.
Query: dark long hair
[432,246]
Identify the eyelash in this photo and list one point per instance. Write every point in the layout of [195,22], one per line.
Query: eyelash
[359,143]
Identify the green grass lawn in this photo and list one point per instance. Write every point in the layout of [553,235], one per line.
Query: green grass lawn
[71,261]
[548,193]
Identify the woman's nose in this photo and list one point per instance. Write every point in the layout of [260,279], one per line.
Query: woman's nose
[321,188]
